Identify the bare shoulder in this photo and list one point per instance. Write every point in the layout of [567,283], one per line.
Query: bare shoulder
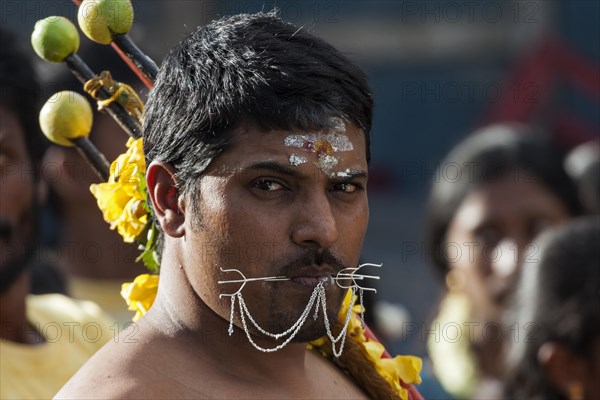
[113,372]
[127,370]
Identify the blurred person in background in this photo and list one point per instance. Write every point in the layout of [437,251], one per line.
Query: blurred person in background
[96,261]
[44,339]
[509,185]
[558,302]
[583,165]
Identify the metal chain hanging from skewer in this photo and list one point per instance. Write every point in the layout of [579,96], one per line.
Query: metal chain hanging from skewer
[317,301]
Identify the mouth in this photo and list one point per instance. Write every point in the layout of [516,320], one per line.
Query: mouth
[312,281]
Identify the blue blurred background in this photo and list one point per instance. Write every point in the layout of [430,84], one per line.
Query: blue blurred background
[438,70]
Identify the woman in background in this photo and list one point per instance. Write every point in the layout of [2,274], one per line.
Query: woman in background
[507,185]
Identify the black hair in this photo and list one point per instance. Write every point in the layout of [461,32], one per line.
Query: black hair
[486,156]
[559,297]
[247,69]
[19,93]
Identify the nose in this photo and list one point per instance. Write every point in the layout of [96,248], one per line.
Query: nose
[315,223]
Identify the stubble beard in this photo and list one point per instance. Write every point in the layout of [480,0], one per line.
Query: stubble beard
[282,315]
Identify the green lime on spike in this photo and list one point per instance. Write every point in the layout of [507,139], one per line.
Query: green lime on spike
[100,19]
[66,116]
[54,38]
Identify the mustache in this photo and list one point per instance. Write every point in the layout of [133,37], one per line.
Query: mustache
[313,258]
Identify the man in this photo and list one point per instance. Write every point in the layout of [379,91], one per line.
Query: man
[256,137]
[43,339]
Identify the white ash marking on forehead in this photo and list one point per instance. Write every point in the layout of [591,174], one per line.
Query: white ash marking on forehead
[344,174]
[296,160]
[337,141]
[323,144]
[326,163]
[334,136]
[339,125]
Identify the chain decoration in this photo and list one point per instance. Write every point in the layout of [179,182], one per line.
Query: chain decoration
[317,301]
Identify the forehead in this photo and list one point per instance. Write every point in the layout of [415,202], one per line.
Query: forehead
[346,143]
[511,197]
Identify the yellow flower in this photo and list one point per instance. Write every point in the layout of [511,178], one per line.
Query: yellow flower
[140,294]
[122,199]
[404,369]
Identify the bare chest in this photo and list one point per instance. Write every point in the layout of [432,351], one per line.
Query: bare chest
[322,380]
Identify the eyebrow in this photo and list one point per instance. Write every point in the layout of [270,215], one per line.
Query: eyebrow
[273,167]
[286,170]
[352,174]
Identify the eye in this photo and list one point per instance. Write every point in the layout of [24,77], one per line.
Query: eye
[488,235]
[268,185]
[346,187]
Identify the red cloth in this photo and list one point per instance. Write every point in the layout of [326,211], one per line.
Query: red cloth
[413,393]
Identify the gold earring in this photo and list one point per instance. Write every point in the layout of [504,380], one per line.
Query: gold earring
[575,391]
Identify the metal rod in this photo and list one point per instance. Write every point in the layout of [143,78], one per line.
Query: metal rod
[141,60]
[94,157]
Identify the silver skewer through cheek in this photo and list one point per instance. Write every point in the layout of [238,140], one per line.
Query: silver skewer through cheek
[317,301]
[346,274]
[351,275]
[245,280]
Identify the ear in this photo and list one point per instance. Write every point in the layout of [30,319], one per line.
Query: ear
[169,211]
[564,369]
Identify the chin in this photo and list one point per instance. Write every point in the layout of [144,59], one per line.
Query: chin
[311,330]
[306,336]
[283,314]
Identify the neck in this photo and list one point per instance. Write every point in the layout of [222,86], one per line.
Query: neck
[200,327]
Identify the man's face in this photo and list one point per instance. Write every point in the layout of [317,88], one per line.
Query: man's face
[16,193]
[279,204]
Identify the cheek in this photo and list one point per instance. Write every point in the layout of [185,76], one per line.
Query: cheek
[465,252]
[242,235]
[354,224]
[468,259]
[202,262]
